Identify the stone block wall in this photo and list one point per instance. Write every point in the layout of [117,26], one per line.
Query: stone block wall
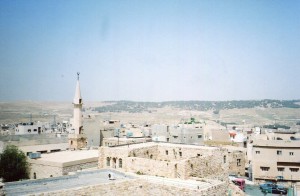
[139,187]
[168,161]
[39,171]
[180,153]
[211,167]
[145,152]
[77,167]
[237,163]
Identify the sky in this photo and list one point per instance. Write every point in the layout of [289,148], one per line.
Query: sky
[149,50]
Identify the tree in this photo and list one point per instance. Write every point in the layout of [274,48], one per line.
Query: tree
[13,164]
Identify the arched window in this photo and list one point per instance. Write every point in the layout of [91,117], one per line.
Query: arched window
[120,163]
[224,158]
[34,175]
[114,163]
[107,161]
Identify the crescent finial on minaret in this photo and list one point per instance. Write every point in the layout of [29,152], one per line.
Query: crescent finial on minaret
[78,75]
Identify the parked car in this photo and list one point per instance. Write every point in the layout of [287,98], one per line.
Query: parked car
[275,190]
[270,185]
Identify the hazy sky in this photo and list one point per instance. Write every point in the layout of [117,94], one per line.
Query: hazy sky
[149,50]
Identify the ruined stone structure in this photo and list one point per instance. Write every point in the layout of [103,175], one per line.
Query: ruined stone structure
[236,160]
[167,160]
[77,139]
[140,187]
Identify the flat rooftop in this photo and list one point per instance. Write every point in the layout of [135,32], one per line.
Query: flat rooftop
[67,158]
[86,178]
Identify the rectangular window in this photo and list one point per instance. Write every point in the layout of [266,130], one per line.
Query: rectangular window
[167,152]
[199,136]
[291,153]
[180,154]
[264,168]
[238,162]
[294,169]
[257,152]
[280,169]
[279,152]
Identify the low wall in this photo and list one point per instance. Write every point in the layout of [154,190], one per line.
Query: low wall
[139,187]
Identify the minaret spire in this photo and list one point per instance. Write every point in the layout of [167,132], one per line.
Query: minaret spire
[77,139]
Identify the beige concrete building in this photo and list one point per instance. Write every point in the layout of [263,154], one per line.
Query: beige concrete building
[61,163]
[42,143]
[167,160]
[276,159]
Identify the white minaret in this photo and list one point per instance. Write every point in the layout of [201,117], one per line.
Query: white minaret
[77,117]
[77,140]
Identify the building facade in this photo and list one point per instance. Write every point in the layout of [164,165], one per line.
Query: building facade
[276,160]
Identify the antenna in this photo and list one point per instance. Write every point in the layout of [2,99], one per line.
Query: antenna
[78,75]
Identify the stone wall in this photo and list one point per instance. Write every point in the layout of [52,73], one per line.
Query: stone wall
[142,166]
[211,166]
[145,152]
[39,171]
[237,163]
[139,187]
[74,168]
[173,161]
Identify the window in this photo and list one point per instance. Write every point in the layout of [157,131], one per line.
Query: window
[29,130]
[280,169]
[199,136]
[167,152]
[291,153]
[264,168]
[224,159]
[279,152]
[238,162]
[107,161]
[257,152]
[120,163]
[192,166]
[35,130]
[294,169]
[198,155]
[180,154]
